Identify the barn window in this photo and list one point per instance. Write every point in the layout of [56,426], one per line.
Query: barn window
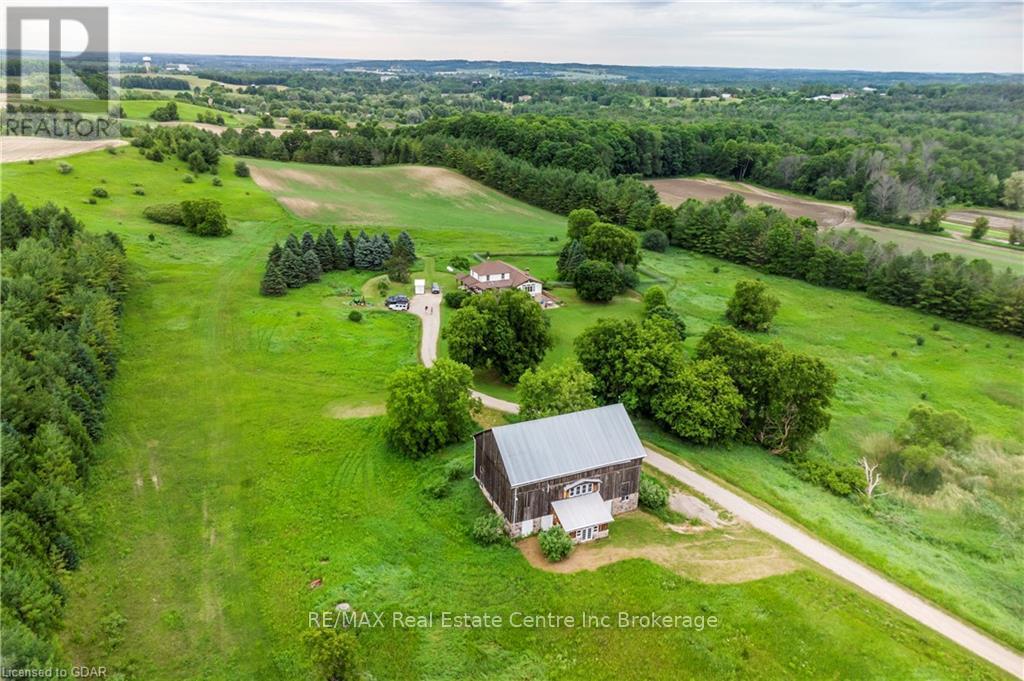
[581,489]
[624,491]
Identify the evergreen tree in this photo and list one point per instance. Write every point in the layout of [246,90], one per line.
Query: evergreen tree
[292,269]
[275,254]
[348,250]
[406,244]
[325,253]
[387,247]
[292,244]
[362,257]
[308,242]
[311,266]
[273,283]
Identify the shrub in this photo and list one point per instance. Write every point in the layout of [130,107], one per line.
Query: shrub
[457,469]
[334,653]
[152,237]
[217,182]
[100,192]
[91,201]
[383,285]
[436,488]
[841,481]
[919,340]
[204,217]
[139,191]
[655,240]
[164,213]
[459,262]
[355,316]
[555,544]
[653,494]
[752,307]
[489,529]
[455,299]
[64,168]
[188,179]
[241,169]
[155,154]
[935,326]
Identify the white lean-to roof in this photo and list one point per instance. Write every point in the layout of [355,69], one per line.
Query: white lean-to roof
[582,511]
[570,443]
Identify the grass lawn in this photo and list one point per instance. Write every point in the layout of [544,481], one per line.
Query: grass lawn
[223,489]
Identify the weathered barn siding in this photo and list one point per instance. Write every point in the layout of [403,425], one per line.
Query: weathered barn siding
[618,483]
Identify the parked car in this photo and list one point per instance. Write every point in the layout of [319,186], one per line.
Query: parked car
[397,303]
[435,288]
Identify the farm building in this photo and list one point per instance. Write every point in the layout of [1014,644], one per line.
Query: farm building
[493,275]
[576,470]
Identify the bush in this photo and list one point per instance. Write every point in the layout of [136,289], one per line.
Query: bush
[457,469]
[752,307]
[155,154]
[64,168]
[91,200]
[555,544]
[139,191]
[217,182]
[841,481]
[355,316]
[241,169]
[459,262]
[164,213]
[597,281]
[919,340]
[655,240]
[100,192]
[489,529]
[204,217]
[188,179]
[653,494]
[436,488]
[456,299]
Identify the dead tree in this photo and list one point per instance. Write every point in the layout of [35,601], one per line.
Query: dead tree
[872,478]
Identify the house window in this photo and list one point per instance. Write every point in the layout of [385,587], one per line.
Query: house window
[581,489]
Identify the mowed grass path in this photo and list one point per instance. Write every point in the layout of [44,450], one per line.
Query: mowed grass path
[964,557]
[222,490]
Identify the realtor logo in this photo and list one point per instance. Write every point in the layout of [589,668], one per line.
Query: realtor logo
[91,66]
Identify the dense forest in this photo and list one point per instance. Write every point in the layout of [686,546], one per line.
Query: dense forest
[61,292]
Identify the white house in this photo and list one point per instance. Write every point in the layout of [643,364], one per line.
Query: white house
[497,274]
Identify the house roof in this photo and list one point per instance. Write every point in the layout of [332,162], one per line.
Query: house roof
[582,511]
[488,267]
[570,443]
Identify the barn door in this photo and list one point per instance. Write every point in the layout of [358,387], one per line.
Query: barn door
[527,528]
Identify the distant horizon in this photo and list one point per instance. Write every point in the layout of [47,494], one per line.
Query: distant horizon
[917,36]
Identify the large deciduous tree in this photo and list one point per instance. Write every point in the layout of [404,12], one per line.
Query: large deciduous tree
[597,281]
[700,403]
[505,331]
[787,394]
[429,407]
[613,244]
[558,390]
[630,360]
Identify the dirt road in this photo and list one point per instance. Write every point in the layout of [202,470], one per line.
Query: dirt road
[771,523]
[428,344]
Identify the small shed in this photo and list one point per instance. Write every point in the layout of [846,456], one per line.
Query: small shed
[421,286]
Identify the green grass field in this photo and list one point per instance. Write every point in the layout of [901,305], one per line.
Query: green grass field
[223,488]
[140,109]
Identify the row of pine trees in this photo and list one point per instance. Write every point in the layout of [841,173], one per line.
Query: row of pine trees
[301,261]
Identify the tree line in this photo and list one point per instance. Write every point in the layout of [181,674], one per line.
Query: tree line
[62,293]
[765,238]
[302,261]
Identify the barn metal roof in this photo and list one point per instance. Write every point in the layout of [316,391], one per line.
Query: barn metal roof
[570,443]
[583,511]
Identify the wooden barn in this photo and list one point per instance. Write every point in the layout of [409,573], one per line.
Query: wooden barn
[576,470]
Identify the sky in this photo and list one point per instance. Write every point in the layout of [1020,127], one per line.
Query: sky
[880,36]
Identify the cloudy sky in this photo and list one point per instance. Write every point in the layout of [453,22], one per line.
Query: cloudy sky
[915,36]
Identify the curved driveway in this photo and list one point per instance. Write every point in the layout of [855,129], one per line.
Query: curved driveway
[769,522]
